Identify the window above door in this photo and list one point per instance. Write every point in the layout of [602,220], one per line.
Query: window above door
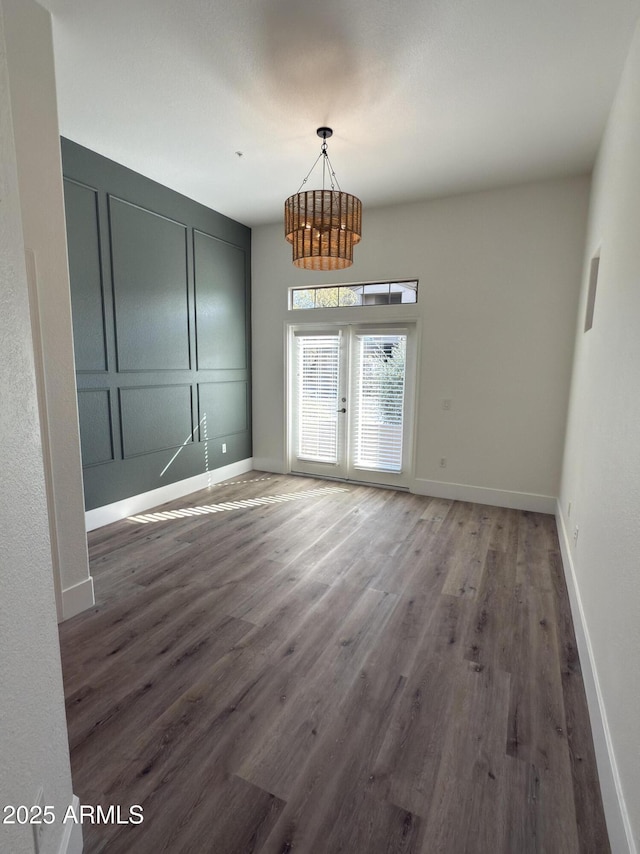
[361,294]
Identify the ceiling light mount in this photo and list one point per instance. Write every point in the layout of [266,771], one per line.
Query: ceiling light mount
[323,225]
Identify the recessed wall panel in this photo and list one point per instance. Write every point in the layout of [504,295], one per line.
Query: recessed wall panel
[131,247]
[96,437]
[222,409]
[83,239]
[149,268]
[155,418]
[220,304]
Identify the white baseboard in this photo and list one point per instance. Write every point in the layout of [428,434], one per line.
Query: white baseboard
[268,464]
[482,495]
[615,810]
[139,503]
[72,837]
[77,598]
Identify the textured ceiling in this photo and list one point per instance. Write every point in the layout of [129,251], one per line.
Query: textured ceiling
[426,97]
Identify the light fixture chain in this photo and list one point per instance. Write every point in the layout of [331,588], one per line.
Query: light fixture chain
[306,178]
[333,175]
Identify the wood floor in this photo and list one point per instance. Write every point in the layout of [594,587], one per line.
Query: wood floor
[321,667]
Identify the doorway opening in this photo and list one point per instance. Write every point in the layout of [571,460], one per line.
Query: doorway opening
[351,393]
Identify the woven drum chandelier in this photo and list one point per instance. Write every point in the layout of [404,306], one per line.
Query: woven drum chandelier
[323,226]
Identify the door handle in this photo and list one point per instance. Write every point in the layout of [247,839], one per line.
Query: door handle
[344,409]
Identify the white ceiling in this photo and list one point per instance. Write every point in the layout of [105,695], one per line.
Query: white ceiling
[426,97]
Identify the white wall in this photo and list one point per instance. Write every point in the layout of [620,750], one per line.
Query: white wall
[499,279]
[601,476]
[33,736]
[33,104]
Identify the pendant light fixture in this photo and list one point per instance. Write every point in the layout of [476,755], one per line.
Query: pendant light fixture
[323,225]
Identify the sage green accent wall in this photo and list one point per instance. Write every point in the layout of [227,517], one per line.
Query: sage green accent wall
[220,304]
[223,408]
[160,290]
[150,289]
[94,413]
[87,298]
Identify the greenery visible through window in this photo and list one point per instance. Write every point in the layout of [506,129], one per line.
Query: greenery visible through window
[340,296]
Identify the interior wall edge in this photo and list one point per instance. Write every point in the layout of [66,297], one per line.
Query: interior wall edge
[36,132]
[616,813]
[270,464]
[72,842]
[100,516]
[78,598]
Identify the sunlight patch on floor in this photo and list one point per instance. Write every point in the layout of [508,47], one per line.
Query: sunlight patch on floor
[245,503]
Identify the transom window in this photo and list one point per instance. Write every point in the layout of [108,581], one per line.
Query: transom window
[341,296]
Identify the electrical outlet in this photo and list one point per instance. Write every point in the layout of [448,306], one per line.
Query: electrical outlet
[576,531]
[443,462]
[38,829]
[446,404]
[224,447]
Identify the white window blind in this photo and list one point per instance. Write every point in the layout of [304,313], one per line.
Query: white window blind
[317,397]
[379,381]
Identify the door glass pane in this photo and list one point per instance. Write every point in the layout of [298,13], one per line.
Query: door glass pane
[317,397]
[379,383]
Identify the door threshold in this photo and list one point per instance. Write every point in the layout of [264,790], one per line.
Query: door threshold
[351,481]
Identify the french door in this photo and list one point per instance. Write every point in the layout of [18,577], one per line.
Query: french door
[350,400]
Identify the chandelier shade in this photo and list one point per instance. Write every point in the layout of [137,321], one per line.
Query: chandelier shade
[323,225]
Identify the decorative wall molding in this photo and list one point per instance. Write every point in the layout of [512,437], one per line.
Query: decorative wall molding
[150,288]
[223,408]
[139,503]
[96,426]
[220,268]
[482,495]
[91,353]
[161,289]
[618,824]
[155,418]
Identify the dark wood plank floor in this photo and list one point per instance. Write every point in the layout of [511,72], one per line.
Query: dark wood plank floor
[301,666]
